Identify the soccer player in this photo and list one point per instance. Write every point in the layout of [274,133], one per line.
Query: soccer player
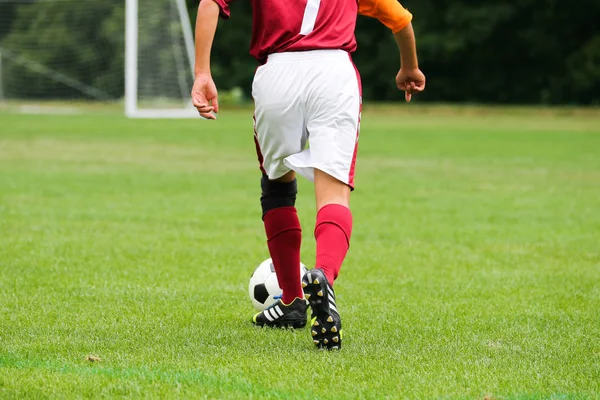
[306,89]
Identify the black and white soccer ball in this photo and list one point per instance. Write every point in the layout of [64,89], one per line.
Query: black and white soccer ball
[264,289]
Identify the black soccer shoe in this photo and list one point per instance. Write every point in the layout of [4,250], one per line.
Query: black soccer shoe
[326,325]
[279,315]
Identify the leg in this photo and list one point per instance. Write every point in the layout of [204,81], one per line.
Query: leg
[333,227]
[284,237]
[333,127]
[278,133]
[284,234]
[329,190]
[332,231]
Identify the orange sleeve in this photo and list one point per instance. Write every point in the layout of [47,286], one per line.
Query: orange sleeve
[388,12]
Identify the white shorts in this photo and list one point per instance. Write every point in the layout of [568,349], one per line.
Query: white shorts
[308,96]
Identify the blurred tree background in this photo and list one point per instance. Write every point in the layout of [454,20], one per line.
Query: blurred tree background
[505,51]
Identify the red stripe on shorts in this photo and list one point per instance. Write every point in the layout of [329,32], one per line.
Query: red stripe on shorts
[352,165]
[261,159]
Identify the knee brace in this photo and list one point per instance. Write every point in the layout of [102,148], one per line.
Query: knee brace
[277,194]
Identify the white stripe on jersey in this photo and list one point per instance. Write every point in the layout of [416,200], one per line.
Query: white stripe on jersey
[310,16]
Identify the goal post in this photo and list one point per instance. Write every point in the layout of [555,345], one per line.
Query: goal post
[181,35]
[132,55]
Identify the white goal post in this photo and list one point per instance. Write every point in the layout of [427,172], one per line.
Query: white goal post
[74,55]
[133,107]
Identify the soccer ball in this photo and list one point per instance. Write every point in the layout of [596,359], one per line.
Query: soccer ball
[264,289]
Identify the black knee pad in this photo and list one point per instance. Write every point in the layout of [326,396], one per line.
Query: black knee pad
[277,194]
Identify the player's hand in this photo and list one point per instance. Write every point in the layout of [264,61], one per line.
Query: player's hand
[205,96]
[411,81]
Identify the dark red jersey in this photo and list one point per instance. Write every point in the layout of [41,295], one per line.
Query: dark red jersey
[299,25]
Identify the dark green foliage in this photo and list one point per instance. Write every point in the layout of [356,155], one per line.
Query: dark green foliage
[81,42]
[507,51]
[512,51]
[502,52]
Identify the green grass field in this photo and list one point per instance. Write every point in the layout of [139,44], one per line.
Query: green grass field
[474,269]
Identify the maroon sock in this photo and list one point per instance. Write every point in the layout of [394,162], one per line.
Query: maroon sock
[284,236]
[332,231]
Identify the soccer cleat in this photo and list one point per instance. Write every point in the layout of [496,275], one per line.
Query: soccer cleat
[283,316]
[321,297]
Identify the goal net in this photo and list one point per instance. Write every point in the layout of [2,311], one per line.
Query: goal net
[135,54]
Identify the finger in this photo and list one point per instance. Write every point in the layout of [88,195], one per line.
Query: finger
[415,87]
[208,115]
[199,101]
[205,109]
[206,112]
[412,88]
[407,96]
[215,103]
